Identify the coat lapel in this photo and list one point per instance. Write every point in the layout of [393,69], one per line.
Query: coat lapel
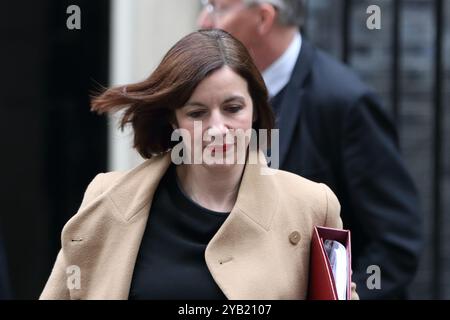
[291,102]
[103,239]
[237,252]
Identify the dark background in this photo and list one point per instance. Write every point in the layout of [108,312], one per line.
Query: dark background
[52,145]
[408,62]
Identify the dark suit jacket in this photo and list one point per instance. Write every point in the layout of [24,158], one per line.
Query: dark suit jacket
[333,130]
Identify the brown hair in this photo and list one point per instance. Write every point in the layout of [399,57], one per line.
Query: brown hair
[151,103]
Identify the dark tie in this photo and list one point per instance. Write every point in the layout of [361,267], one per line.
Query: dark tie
[276,102]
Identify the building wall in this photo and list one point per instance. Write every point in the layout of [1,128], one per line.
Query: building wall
[142,32]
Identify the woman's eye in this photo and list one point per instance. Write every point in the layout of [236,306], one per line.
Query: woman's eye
[234,109]
[195,114]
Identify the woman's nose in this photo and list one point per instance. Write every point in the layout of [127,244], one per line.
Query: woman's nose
[217,126]
[216,131]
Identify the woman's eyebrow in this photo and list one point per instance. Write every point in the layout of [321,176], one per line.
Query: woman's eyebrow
[228,99]
[194,104]
[234,97]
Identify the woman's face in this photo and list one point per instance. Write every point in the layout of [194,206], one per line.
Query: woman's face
[218,107]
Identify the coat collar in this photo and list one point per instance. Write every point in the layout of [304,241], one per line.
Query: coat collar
[135,190]
[112,235]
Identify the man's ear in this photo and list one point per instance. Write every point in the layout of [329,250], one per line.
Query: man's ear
[267,16]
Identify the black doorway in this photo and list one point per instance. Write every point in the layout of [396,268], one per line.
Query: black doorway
[52,145]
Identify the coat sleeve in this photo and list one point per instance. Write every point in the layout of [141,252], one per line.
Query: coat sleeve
[333,210]
[56,287]
[333,220]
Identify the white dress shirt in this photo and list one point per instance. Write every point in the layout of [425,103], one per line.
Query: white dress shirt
[277,75]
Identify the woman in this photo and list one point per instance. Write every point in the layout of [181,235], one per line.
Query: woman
[170,229]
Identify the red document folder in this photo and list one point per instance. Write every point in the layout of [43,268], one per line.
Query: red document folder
[321,280]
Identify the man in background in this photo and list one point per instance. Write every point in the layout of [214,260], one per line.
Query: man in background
[333,130]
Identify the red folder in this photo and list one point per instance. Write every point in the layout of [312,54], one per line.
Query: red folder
[321,279]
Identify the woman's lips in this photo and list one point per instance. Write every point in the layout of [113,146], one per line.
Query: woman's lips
[223,148]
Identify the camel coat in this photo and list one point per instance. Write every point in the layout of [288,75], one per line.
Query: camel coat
[260,252]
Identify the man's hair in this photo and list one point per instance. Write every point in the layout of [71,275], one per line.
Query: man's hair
[290,12]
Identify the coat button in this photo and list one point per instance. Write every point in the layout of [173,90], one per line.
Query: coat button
[294,237]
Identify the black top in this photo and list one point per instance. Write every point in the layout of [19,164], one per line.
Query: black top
[171,263]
